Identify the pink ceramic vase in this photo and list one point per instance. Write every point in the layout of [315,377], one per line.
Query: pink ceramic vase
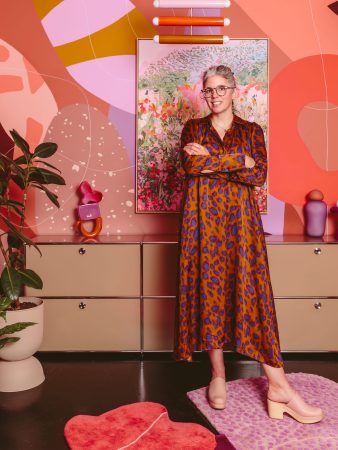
[315,213]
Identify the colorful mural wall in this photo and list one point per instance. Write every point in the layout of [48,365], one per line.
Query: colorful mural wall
[68,75]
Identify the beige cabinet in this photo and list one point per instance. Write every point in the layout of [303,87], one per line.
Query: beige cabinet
[92,292]
[101,270]
[92,325]
[158,324]
[118,293]
[159,268]
[303,276]
[308,324]
[308,269]
[159,291]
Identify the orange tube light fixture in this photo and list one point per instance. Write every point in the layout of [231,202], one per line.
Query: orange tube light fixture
[191,39]
[191,21]
[191,3]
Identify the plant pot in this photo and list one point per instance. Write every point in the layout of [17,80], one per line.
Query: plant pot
[19,370]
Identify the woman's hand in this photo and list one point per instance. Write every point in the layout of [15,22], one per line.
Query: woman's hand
[195,149]
[249,162]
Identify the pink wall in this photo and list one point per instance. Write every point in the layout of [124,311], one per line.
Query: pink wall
[67,74]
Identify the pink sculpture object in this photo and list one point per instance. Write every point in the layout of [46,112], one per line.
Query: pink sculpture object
[315,211]
[88,194]
[89,210]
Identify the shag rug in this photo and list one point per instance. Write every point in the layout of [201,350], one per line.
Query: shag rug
[246,423]
[139,426]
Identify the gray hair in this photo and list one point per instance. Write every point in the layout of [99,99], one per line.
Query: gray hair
[222,71]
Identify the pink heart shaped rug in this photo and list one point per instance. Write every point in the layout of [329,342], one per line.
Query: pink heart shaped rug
[141,426]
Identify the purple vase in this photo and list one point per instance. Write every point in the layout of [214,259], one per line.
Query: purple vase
[315,218]
[334,211]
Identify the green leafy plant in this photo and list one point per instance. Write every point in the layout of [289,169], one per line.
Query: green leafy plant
[30,170]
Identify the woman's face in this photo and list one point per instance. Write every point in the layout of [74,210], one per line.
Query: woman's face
[219,103]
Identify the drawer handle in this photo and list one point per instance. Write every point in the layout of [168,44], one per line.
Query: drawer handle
[82,251]
[82,305]
[317,305]
[317,251]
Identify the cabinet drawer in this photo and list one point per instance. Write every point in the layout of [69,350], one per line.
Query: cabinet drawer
[303,270]
[86,270]
[102,325]
[159,324]
[159,269]
[303,327]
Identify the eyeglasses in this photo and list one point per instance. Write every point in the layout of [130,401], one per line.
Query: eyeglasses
[220,90]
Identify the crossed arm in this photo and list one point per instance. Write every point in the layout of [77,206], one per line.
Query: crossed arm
[237,167]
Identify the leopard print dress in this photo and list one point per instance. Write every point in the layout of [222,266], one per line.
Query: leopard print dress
[225,296]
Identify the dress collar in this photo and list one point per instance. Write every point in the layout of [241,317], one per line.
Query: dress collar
[236,120]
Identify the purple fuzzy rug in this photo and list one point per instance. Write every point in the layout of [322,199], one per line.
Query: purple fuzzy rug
[246,423]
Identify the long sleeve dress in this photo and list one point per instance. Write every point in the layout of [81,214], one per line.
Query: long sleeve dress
[225,295]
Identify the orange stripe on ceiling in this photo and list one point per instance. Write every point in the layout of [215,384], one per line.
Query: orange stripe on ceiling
[190,21]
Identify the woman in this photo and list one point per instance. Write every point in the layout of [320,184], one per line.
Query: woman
[225,294]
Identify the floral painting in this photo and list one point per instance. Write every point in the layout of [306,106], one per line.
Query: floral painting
[168,88]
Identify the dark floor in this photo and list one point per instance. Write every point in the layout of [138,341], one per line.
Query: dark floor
[93,383]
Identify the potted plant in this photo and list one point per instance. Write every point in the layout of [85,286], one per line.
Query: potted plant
[21,318]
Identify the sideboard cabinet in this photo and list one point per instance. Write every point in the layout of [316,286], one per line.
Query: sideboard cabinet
[91,290]
[304,280]
[118,293]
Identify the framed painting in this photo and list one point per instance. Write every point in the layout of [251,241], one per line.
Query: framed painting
[168,88]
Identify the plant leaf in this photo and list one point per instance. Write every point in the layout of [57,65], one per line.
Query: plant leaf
[19,181]
[13,204]
[3,186]
[15,327]
[30,278]
[21,143]
[17,259]
[48,165]
[4,303]
[19,234]
[52,197]
[11,282]
[13,164]
[13,240]
[4,176]
[2,165]
[21,160]
[7,340]
[45,150]
[45,176]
